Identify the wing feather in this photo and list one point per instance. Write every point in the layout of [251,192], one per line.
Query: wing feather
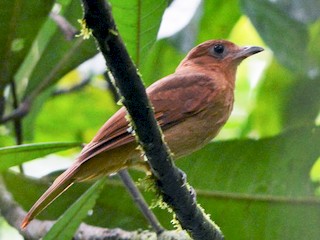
[174,98]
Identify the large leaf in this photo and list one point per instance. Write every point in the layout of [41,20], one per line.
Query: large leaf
[303,104]
[286,36]
[138,23]
[259,188]
[297,100]
[66,226]
[15,155]
[113,209]
[19,22]
[287,99]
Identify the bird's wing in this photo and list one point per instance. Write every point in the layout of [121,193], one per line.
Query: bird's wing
[174,98]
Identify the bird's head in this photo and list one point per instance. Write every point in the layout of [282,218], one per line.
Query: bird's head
[219,53]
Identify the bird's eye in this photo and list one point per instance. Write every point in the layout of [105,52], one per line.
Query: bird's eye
[218,49]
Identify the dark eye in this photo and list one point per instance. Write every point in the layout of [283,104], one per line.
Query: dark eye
[218,49]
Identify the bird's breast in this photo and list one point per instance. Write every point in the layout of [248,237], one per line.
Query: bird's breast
[199,129]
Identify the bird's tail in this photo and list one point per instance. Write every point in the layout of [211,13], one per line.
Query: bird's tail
[61,184]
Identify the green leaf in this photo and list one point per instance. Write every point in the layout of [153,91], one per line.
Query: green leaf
[20,22]
[303,103]
[66,226]
[38,46]
[29,122]
[15,155]
[60,54]
[138,23]
[219,18]
[114,208]
[260,189]
[287,37]
[314,50]
[269,107]
[302,11]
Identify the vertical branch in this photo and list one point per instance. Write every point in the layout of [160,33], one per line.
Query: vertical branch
[171,182]
[128,181]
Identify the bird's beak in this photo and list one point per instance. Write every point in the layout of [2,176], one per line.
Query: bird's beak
[245,52]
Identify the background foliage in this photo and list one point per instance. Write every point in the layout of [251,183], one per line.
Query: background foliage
[258,180]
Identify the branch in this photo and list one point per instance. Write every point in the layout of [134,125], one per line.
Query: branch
[18,113]
[14,214]
[170,181]
[140,202]
[128,181]
[17,122]
[67,29]
[74,88]
[2,104]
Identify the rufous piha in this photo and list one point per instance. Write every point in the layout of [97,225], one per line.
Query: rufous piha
[191,106]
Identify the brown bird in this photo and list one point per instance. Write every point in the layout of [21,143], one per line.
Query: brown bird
[191,105]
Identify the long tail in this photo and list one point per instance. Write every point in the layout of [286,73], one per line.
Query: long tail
[61,184]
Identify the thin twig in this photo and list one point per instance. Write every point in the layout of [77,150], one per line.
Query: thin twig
[17,122]
[2,105]
[74,88]
[18,113]
[107,76]
[67,29]
[139,200]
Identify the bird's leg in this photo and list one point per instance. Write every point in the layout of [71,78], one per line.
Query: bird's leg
[193,194]
[140,202]
[184,180]
[183,176]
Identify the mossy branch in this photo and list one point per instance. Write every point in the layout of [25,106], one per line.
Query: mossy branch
[170,180]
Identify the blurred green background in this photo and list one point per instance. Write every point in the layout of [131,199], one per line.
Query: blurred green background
[258,179]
